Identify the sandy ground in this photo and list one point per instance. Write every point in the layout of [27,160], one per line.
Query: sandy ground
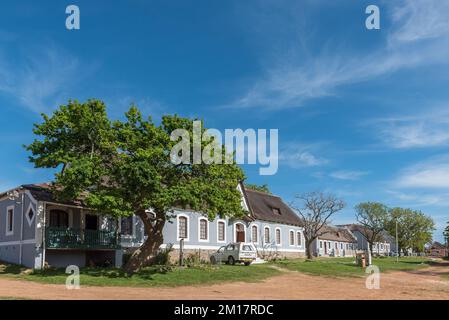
[422,284]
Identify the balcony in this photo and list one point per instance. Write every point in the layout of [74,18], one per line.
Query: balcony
[69,238]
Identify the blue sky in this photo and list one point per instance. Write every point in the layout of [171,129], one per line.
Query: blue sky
[361,113]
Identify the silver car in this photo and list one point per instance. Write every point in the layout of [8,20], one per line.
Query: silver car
[236,252]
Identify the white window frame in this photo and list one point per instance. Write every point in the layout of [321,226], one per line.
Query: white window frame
[290,231]
[224,231]
[7,232]
[199,230]
[257,233]
[188,227]
[300,236]
[30,221]
[280,236]
[269,234]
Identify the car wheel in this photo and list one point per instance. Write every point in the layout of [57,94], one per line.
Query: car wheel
[213,260]
[247,263]
[231,260]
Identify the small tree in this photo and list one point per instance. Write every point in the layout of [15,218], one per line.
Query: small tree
[127,169]
[373,217]
[315,209]
[446,235]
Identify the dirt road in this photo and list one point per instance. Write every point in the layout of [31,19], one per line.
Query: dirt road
[422,284]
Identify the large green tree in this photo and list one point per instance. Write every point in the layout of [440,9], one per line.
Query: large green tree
[125,167]
[414,228]
[373,216]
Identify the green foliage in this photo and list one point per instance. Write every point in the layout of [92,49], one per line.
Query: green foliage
[261,188]
[414,228]
[125,165]
[446,234]
[373,216]
[155,276]
[346,267]
[162,257]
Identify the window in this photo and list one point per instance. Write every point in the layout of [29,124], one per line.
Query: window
[267,235]
[59,219]
[276,211]
[203,229]
[278,236]
[221,231]
[254,234]
[292,238]
[182,227]
[341,246]
[30,214]
[321,244]
[10,221]
[127,226]
[299,238]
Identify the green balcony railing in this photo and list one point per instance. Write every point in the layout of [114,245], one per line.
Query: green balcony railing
[69,238]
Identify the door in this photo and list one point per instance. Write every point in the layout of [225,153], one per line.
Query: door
[91,222]
[239,232]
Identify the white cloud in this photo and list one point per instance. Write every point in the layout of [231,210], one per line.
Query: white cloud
[420,131]
[348,175]
[418,37]
[300,156]
[433,173]
[43,79]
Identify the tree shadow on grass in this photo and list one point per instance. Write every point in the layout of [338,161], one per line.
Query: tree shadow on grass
[111,273]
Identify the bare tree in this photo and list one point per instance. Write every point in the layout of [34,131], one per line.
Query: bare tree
[373,217]
[315,208]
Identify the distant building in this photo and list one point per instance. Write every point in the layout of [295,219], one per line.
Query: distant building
[335,242]
[438,250]
[385,246]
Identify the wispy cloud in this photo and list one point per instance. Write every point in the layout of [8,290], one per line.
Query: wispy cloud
[301,155]
[348,174]
[433,174]
[418,36]
[42,80]
[418,131]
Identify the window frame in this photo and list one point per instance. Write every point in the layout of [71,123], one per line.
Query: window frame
[9,232]
[224,230]
[290,242]
[299,243]
[276,236]
[30,208]
[181,215]
[264,235]
[257,233]
[199,229]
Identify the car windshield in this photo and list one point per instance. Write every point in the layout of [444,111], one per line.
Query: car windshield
[221,249]
[247,247]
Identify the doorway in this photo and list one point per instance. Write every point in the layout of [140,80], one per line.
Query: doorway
[240,232]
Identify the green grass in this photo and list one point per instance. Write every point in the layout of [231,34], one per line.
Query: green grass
[346,267]
[149,277]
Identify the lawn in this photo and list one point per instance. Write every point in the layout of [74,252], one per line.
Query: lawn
[346,267]
[149,277]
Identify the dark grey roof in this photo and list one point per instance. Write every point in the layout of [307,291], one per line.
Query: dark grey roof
[263,206]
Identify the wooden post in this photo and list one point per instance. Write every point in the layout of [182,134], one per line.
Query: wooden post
[181,252]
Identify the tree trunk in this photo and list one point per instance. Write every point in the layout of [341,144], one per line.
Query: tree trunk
[144,256]
[309,250]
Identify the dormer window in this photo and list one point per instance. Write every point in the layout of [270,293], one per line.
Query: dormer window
[276,211]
